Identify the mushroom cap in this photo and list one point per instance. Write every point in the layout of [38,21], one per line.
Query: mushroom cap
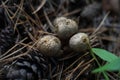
[79,42]
[49,45]
[65,28]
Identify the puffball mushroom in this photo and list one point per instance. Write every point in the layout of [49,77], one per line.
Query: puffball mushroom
[59,20]
[49,45]
[65,28]
[79,42]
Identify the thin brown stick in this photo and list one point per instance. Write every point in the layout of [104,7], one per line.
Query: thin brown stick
[40,6]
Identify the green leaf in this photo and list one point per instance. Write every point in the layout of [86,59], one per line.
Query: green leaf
[112,66]
[105,55]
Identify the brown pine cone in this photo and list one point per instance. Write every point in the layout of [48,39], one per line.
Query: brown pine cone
[7,39]
[30,67]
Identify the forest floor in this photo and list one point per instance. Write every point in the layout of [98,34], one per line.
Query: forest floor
[22,22]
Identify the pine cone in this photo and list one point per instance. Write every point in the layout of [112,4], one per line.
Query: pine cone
[30,67]
[6,32]
[6,39]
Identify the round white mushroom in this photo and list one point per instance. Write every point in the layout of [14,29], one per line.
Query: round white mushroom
[65,28]
[79,42]
[49,45]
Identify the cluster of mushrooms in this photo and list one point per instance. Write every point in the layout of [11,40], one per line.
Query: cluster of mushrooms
[66,29]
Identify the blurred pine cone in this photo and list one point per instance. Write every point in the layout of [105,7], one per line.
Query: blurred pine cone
[30,67]
[7,38]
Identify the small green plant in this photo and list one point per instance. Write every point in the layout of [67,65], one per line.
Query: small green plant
[112,61]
